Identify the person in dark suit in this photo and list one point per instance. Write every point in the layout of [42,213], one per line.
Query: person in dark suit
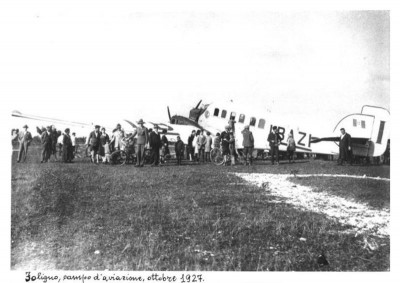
[190,148]
[46,144]
[344,147]
[54,137]
[155,144]
[141,141]
[179,149]
[274,140]
[24,138]
[67,147]
[93,142]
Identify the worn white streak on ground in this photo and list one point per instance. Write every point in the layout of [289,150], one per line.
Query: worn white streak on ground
[343,176]
[363,218]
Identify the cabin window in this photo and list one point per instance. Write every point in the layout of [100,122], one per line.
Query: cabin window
[241,118]
[380,133]
[354,122]
[261,123]
[216,112]
[233,116]
[223,114]
[363,124]
[253,121]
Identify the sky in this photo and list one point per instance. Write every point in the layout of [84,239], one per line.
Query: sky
[100,63]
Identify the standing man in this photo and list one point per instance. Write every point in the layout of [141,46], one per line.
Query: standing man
[208,146]
[24,138]
[190,148]
[274,140]
[248,144]
[344,147]
[94,142]
[54,137]
[155,144]
[67,147]
[141,141]
[46,145]
[201,143]
[179,149]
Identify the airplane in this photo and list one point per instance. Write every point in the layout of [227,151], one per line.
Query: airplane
[369,129]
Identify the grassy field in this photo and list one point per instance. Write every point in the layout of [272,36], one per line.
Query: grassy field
[82,216]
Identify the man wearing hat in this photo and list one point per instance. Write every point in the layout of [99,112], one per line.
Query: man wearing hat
[155,144]
[46,144]
[24,138]
[344,147]
[248,144]
[274,140]
[93,142]
[141,141]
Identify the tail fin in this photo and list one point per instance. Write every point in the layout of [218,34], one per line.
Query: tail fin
[370,130]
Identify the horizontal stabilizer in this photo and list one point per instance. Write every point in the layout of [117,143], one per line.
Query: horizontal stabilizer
[354,140]
[326,139]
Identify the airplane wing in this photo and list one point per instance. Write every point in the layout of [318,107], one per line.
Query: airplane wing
[187,121]
[50,120]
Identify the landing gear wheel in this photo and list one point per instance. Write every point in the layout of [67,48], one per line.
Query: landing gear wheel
[216,156]
[118,157]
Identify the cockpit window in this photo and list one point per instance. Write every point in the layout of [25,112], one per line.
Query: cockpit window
[223,114]
[233,116]
[253,121]
[216,112]
[241,118]
[261,123]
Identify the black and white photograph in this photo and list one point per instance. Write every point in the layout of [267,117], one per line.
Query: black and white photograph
[181,142]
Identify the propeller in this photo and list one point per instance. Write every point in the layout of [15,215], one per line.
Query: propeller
[169,115]
[198,104]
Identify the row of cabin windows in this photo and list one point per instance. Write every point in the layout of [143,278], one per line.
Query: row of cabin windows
[253,120]
[355,122]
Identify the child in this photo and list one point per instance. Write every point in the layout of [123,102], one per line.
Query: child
[179,149]
[291,147]
[107,153]
[207,148]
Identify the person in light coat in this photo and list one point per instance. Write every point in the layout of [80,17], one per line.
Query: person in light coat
[24,139]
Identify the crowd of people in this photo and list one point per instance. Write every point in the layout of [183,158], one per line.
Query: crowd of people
[50,139]
[198,148]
